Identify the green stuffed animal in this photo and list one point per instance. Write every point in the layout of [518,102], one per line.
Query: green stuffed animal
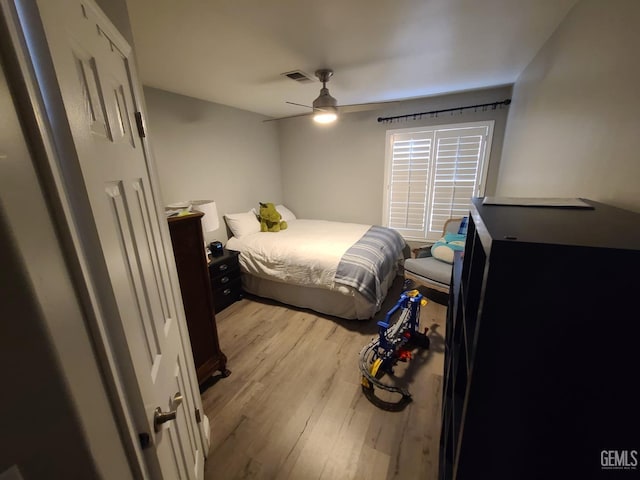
[270,219]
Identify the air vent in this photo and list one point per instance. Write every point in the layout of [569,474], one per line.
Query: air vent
[299,76]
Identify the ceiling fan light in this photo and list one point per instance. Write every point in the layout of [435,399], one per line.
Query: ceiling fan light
[324,117]
[325,108]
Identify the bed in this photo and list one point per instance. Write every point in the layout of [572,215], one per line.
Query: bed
[335,268]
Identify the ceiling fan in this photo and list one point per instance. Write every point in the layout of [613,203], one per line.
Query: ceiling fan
[325,107]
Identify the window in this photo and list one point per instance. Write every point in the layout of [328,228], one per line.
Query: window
[431,174]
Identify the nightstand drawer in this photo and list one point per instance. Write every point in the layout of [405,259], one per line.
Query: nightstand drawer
[227,294]
[222,279]
[223,266]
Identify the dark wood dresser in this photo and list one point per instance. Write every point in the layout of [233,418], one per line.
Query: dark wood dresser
[226,282]
[193,273]
[541,355]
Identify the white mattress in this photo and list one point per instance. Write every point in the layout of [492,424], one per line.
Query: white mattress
[304,257]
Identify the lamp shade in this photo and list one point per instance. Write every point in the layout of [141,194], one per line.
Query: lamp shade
[210,220]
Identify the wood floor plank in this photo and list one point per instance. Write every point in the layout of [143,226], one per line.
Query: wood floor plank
[295,412]
[413,454]
[229,459]
[315,453]
[225,421]
[287,443]
[293,406]
[372,465]
[347,447]
[433,425]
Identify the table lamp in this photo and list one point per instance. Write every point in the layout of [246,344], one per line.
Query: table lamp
[210,222]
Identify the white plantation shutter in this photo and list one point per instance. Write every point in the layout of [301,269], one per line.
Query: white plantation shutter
[459,154]
[408,192]
[432,174]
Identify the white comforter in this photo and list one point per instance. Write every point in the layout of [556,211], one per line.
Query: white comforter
[306,253]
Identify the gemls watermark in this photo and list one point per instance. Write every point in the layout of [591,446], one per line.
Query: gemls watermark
[619,459]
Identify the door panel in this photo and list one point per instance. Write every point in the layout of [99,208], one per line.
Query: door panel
[93,101]
[127,252]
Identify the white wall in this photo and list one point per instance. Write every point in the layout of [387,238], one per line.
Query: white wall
[574,125]
[209,151]
[336,172]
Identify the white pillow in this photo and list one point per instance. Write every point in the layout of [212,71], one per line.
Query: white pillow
[287,215]
[242,224]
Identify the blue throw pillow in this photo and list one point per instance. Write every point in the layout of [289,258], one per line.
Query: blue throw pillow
[443,249]
[454,237]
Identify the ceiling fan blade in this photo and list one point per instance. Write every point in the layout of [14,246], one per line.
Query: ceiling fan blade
[347,108]
[289,116]
[298,104]
[358,107]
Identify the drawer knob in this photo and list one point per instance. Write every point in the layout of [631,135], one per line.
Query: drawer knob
[226,291]
[224,280]
[223,267]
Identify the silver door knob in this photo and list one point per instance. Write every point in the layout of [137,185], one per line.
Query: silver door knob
[160,417]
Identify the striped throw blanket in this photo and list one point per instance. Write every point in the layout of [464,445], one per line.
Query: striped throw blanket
[368,262]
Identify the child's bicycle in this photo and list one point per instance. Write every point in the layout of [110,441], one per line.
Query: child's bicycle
[394,343]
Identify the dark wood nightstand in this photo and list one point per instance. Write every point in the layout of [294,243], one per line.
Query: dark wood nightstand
[226,280]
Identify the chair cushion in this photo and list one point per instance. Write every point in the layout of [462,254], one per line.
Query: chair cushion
[430,268]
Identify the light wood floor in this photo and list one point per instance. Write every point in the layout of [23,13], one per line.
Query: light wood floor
[293,407]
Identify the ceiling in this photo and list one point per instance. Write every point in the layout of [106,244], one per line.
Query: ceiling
[233,52]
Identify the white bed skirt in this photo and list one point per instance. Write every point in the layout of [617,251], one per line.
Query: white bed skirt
[345,302]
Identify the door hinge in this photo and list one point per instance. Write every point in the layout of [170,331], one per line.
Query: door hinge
[145,440]
[198,417]
[140,125]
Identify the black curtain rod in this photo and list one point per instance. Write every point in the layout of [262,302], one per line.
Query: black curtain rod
[415,116]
